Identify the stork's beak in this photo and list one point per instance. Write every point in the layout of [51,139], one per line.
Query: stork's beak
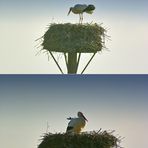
[85,118]
[69,11]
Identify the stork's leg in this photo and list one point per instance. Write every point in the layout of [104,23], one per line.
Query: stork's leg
[79,18]
[82,17]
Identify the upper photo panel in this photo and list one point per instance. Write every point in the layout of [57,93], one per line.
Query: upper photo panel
[73,37]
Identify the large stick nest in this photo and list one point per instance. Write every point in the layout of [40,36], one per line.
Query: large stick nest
[85,140]
[81,38]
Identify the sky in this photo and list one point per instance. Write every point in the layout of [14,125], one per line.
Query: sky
[110,102]
[22,22]
[28,103]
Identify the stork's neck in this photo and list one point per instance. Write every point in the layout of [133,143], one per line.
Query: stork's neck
[82,118]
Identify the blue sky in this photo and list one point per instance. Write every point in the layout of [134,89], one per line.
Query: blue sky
[61,3]
[58,8]
[22,22]
[110,102]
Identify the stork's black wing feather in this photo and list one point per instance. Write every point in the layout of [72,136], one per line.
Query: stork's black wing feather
[69,118]
[69,128]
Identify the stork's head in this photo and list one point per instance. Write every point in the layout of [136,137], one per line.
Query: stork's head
[70,10]
[91,7]
[80,114]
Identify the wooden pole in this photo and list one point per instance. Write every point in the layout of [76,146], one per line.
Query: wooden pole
[72,63]
[88,63]
[56,62]
[66,61]
[78,61]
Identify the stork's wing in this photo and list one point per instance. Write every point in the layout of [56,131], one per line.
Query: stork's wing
[80,7]
[69,118]
[69,128]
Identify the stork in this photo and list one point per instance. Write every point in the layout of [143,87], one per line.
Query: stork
[80,9]
[76,124]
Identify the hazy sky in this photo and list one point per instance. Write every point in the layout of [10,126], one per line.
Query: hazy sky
[22,22]
[28,102]
[110,102]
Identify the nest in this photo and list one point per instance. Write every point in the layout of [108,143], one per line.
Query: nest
[84,140]
[79,38]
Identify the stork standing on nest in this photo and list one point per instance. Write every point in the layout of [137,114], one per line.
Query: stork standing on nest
[76,124]
[80,9]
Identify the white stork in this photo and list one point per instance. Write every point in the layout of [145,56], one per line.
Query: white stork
[80,9]
[76,124]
